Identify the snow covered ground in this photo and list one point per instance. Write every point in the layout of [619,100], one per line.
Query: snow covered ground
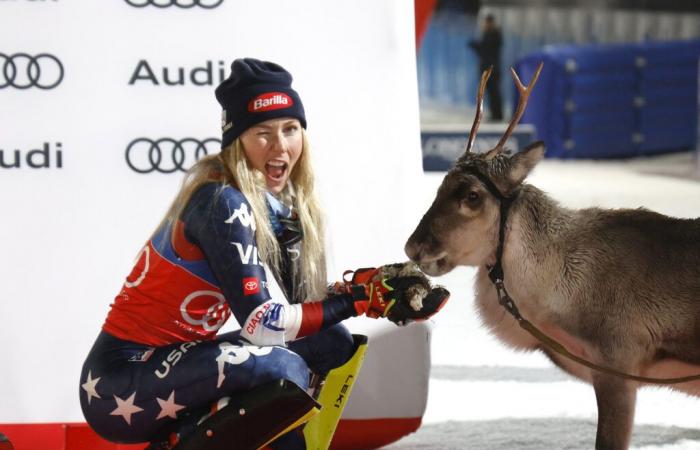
[485,396]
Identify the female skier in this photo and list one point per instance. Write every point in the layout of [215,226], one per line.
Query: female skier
[158,365]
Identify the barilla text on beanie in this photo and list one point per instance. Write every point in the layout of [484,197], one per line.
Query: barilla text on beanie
[256,91]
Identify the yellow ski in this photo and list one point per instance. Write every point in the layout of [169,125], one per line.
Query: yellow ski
[318,432]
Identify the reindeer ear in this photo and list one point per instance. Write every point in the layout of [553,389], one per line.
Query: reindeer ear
[522,162]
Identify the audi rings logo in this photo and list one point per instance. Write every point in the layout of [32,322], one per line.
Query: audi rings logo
[184,4]
[168,155]
[22,71]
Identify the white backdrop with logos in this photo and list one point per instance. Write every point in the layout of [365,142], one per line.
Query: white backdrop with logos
[81,81]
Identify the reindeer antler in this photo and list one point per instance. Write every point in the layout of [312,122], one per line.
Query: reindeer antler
[522,103]
[479,108]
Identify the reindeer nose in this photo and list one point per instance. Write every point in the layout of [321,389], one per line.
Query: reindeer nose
[413,250]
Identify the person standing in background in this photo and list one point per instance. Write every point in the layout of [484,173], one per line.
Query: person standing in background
[489,51]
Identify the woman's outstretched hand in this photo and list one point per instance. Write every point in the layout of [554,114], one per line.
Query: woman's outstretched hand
[400,292]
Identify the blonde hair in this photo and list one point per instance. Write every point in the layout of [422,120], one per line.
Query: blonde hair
[231,167]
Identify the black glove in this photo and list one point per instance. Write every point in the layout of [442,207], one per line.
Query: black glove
[403,313]
[399,292]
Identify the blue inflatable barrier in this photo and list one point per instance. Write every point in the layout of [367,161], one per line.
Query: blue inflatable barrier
[613,101]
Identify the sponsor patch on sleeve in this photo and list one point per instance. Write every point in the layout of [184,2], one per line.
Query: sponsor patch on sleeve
[251,285]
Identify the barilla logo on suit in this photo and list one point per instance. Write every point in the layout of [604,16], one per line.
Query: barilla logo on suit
[251,286]
[270,101]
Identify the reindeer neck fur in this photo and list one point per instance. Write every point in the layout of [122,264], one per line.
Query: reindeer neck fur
[535,228]
[558,262]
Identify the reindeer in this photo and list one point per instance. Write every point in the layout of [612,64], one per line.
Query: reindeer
[610,296]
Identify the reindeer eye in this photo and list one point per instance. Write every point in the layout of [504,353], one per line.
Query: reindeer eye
[471,199]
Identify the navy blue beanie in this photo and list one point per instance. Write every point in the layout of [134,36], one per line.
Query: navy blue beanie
[256,91]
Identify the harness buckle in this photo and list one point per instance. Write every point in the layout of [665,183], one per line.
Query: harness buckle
[505,300]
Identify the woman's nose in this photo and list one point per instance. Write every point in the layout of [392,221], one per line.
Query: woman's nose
[280,143]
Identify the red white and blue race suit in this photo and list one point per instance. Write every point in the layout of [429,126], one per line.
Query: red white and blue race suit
[158,361]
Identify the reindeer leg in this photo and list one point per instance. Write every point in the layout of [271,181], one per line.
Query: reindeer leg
[616,400]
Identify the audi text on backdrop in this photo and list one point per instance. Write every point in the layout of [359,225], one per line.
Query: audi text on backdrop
[39,158]
[200,76]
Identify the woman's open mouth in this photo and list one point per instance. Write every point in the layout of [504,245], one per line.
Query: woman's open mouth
[276,170]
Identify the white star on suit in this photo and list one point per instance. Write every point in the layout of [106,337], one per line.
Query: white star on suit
[90,386]
[168,408]
[126,408]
